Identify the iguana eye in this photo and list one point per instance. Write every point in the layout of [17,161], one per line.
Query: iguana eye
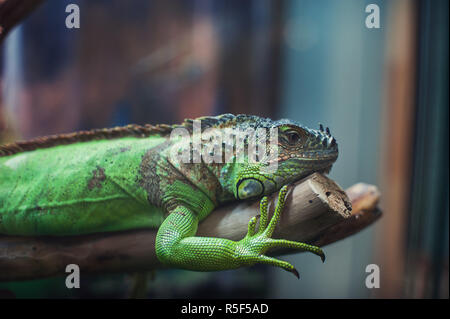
[293,137]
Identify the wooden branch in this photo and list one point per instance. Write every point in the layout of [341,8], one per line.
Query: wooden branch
[12,12]
[317,211]
[364,199]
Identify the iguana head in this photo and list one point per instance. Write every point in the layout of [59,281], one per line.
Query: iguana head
[300,152]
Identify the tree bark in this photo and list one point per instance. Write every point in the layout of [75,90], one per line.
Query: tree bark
[317,211]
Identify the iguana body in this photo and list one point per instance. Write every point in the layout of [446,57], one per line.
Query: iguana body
[124,178]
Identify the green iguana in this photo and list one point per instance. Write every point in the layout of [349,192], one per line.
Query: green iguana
[124,178]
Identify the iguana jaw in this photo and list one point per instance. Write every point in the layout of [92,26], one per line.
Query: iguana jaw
[251,187]
[323,167]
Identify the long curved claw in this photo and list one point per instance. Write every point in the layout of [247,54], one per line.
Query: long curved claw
[295,272]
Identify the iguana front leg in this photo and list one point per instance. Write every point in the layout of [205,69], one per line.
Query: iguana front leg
[176,244]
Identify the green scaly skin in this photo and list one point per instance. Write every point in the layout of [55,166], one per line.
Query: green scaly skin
[125,179]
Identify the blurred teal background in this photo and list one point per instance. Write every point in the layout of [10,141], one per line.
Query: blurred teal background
[383,93]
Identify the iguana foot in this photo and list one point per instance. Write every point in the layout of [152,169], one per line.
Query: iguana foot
[251,249]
